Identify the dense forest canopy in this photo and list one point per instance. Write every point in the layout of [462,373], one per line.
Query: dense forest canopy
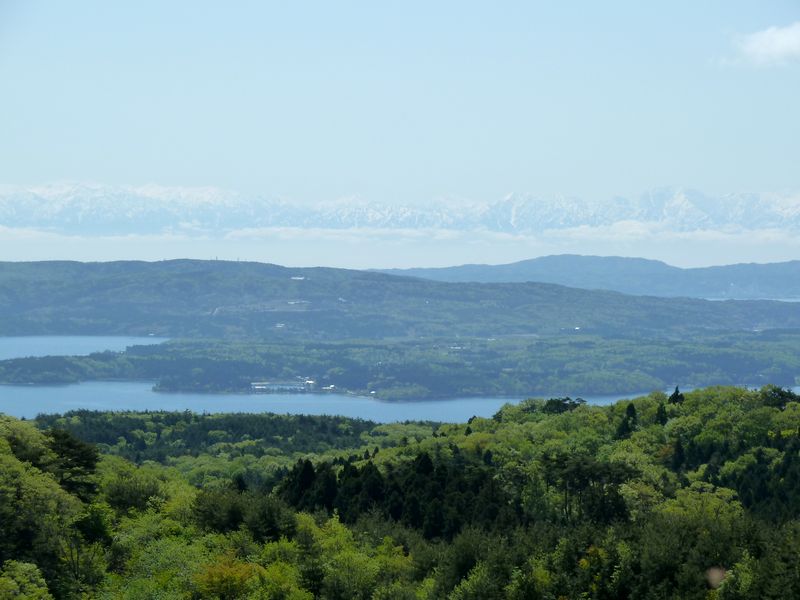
[691,495]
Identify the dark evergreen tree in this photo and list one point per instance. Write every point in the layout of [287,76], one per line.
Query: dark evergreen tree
[676,397]
[661,414]
[628,423]
[75,463]
[678,456]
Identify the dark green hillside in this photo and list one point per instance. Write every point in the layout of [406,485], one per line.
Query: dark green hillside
[222,299]
[575,364]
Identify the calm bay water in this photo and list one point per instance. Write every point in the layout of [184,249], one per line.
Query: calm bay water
[28,401]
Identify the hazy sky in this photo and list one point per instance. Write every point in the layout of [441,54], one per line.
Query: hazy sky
[403,101]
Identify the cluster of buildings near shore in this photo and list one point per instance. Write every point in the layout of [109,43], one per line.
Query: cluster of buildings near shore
[299,386]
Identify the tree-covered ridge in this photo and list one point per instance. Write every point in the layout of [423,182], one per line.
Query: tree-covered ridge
[189,298]
[574,363]
[693,495]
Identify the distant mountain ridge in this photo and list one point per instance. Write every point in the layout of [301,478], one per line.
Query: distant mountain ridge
[192,298]
[102,209]
[637,276]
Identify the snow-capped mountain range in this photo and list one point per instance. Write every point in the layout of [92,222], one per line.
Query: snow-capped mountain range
[100,209]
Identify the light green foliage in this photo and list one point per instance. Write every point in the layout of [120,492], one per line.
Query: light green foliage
[226,578]
[32,501]
[738,583]
[128,488]
[164,565]
[707,504]
[788,420]
[478,584]
[280,581]
[393,563]
[531,581]
[25,442]
[747,460]
[22,581]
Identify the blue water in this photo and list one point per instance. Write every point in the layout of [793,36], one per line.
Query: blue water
[28,401]
[62,345]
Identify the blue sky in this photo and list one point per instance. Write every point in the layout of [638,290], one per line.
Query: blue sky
[401,101]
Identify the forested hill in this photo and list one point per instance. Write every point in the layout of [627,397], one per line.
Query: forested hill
[633,276]
[224,299]
[694,496]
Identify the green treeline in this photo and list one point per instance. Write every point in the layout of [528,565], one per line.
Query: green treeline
[156,436]
[395,370]
[693,495]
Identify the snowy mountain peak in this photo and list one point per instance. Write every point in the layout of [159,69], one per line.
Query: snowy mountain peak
[94,208]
